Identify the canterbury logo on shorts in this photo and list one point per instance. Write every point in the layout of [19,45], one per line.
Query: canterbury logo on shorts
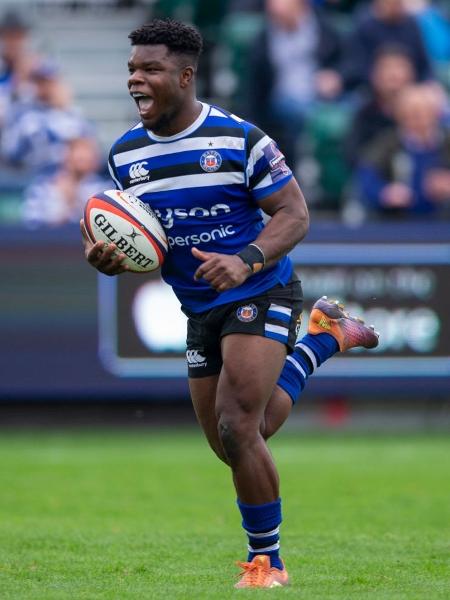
[195,359]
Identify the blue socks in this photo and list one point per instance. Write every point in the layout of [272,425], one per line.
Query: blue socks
[309,353]
[261,522]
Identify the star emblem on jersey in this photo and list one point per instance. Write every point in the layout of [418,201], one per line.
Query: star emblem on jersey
[133,235]
[210,144]
[247,313]
[210,161]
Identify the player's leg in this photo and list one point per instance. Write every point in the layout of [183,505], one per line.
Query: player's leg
[204,362]
[331,329]
[251,366]
[203,395]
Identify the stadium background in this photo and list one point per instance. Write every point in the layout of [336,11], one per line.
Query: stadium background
[97,434]
[72,337]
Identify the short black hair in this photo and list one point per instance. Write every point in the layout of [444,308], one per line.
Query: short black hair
[179,37]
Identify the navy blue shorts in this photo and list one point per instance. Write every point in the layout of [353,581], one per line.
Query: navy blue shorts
[275,314]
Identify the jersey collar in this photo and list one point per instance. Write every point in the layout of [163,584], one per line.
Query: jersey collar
[195,125]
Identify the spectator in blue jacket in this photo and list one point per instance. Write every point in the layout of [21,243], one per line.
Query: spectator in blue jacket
[387,21]
[406,170]
[392,70]
[37,131]
[434,24]
[17,59]
[59,198]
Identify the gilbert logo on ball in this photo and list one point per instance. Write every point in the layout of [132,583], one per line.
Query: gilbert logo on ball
[118,217]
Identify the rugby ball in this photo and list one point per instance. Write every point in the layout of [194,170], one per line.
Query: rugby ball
[119,218]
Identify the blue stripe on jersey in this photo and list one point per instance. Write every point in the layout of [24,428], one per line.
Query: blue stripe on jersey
[261,193]
[186,157]
[208,204]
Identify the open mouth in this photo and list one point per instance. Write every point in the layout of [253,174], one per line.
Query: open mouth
[144,102]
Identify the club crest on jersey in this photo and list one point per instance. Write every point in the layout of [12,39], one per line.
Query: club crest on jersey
[247,313]
[210,161]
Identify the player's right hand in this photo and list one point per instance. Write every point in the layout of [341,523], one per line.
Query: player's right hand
[102,256]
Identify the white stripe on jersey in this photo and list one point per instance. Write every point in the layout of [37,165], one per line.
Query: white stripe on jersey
[199,143]
[216,113]
[265,182]
[187,181]
[255,154]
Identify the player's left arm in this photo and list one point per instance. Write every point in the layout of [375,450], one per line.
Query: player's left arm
[289,223]
[288,226]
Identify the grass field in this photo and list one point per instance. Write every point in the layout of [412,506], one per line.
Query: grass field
[149,515]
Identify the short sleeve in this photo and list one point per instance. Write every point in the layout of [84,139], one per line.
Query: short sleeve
[266,169]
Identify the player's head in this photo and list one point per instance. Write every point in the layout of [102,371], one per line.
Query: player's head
[162,69]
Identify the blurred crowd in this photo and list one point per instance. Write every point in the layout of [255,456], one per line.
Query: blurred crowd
[355,92]
[48,149]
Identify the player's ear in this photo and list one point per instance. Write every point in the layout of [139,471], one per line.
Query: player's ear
[187,76]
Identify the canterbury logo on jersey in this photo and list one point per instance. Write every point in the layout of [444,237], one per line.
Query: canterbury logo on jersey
[138,172]
[195,359]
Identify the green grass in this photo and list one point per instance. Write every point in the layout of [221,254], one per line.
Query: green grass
[147,515]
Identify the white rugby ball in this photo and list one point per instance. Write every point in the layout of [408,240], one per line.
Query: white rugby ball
[119,218]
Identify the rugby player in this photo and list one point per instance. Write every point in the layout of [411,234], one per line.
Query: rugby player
[209,175]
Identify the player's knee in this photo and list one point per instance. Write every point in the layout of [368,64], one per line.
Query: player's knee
[234,433]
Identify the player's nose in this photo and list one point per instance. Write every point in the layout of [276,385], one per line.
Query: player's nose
[136,77]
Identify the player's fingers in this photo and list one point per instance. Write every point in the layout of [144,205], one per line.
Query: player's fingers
[210,271]
[115,266]
[204,269]
[200,254]
[111,263]
[220,285]
[95,252]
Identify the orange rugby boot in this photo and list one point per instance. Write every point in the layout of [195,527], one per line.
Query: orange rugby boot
[328,316]
[259,574]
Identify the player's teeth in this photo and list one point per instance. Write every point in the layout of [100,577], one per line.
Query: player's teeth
[372,327]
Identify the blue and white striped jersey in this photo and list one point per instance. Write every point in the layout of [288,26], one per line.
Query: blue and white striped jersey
[204,184]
